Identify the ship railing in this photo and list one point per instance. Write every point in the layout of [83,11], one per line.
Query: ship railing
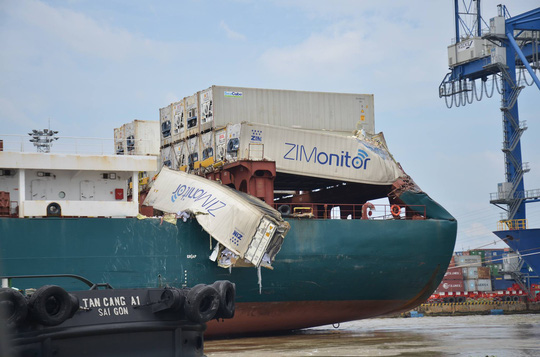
[79,145]
[511,224]
[351,211]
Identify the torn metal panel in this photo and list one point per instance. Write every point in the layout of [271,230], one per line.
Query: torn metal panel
[243,224]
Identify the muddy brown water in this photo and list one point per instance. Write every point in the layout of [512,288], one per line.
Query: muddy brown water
[476,336]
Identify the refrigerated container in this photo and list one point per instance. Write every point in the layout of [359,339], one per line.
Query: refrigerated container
[168,158]
[166,126]
[248,227]
[340,112]
[178,121]
[207,149]
[206,110]
[181,155]
[193,160]
[140,137]
[363,159]
[130,138]
[233,142]
[119,140]
[192,116]
[221,144]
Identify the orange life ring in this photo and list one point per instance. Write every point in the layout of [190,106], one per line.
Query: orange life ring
[396,210]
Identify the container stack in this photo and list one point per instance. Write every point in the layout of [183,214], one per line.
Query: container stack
[140,137]
[453,280]
[204,129]
[485,270]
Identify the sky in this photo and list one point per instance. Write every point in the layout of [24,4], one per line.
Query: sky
[89,66]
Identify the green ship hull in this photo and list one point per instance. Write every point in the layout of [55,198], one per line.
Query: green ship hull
[328,270]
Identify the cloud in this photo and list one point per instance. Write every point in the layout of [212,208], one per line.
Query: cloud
[233,35]
[83,34]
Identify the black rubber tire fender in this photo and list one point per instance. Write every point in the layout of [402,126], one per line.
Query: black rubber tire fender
[173,299]
[75,305]
[227,295]
[13,306]
[51,305]
[202,303]
[451,300]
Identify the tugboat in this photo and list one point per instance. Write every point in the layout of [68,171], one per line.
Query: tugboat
[105,321]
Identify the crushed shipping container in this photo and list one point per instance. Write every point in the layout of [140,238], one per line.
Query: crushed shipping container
[244,225]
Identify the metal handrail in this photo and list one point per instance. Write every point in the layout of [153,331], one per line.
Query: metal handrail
[511,224]
[352,211]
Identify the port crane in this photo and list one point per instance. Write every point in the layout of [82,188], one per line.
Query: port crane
[497,55]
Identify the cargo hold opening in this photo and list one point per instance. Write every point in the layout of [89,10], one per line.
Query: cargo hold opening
[319,190]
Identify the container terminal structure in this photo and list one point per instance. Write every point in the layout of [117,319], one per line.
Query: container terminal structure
[506,50]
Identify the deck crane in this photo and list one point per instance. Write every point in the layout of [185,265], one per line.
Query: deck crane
[502,52]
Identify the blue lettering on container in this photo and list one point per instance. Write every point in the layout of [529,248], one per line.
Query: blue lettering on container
[208,202]
[236,237]
[297,152]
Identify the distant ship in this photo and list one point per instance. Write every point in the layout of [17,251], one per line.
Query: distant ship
[526,242]
[342,259]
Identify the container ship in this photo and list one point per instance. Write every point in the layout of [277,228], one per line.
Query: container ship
[328,252]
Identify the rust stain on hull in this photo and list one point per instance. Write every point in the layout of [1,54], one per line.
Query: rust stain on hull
[265,317]
[292,315]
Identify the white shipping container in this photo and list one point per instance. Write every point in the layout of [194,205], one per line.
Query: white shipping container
[178,121]
[193,153]
[221,144]
[233,142]
[248,227]
[129,129]
[192,117]
[181,155]
[142,137]
[341,112]
[168,158]
[206,154]
[206,110]
[166,125]
[119,140]
[470,260]
[317,154]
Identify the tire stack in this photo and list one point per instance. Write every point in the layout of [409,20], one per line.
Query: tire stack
[51,305]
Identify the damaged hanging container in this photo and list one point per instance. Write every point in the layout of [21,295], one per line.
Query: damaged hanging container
[241,223]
